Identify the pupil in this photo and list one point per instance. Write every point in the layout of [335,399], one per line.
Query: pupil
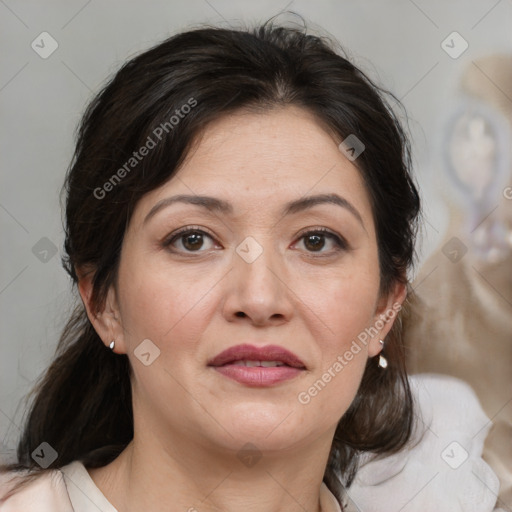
[318,244]
[196,241]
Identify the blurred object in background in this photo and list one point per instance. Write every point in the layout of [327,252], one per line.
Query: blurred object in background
[460,317]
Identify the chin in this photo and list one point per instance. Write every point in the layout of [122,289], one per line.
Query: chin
[271,428]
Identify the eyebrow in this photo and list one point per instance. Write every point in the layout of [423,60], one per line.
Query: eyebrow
[219,205]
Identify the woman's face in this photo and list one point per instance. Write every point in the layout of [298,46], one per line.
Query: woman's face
[249,273]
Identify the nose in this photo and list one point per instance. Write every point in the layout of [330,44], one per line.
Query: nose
[258,291]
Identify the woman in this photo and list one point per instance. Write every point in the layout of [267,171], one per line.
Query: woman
[240,220]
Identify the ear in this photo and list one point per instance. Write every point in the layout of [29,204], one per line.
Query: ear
[388,307]
[107,323]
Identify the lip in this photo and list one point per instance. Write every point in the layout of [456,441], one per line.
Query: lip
[257,376]
[252,353]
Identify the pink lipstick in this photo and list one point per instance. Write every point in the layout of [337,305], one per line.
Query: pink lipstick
[257,366]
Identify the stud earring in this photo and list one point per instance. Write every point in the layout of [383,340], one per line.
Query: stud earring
[112,343]
[383,362]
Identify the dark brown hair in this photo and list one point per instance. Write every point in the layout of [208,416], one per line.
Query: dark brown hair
[82,404]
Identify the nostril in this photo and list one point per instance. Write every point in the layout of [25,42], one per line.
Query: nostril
[240,313]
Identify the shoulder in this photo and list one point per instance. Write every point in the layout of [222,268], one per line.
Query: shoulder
[43,492]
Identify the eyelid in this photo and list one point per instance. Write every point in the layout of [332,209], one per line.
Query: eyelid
[314,229]
[169,239]
[339,240]
[186,229]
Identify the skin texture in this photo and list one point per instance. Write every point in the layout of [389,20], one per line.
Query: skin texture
[190,421]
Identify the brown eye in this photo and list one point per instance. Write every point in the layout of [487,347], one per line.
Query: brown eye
[192,241]
[189,240]
[315,241]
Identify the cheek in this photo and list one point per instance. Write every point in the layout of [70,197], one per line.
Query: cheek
[162,305]
[332,387]
[345,304]
[345,301]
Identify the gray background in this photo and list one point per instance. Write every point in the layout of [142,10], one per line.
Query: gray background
[398,42]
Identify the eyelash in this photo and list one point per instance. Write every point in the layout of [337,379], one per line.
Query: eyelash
[340,242]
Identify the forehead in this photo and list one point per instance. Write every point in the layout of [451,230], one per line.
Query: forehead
[277,144]
[264,158]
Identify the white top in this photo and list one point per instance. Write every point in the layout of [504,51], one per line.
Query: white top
[443,469]
[71,489]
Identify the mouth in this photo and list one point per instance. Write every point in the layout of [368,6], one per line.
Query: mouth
[252,356]
[258,366]
[252,364]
